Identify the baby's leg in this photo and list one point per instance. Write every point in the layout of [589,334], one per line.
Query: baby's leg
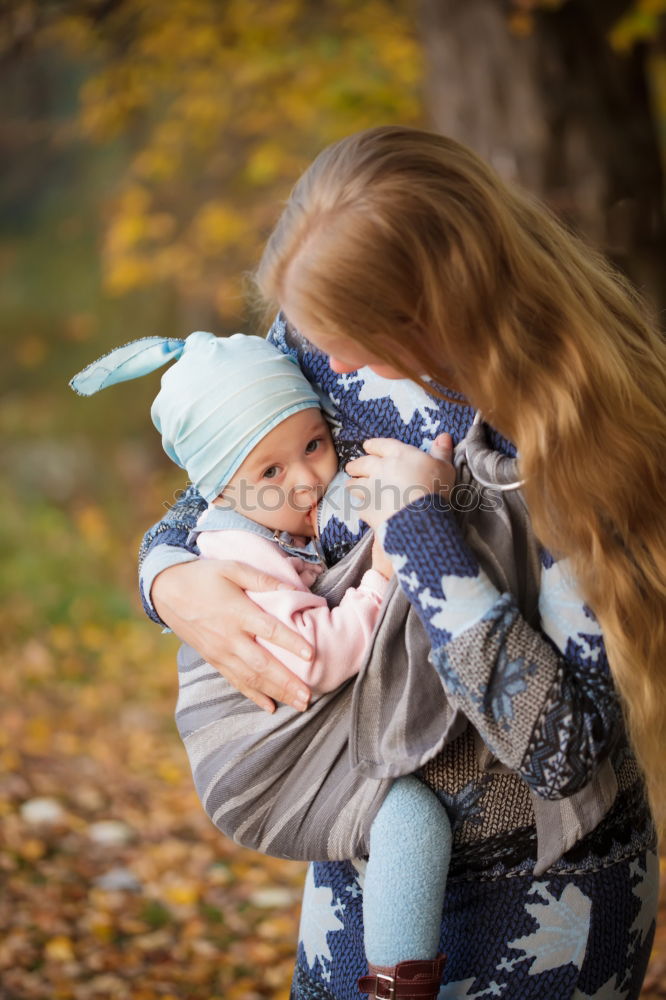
[403,894]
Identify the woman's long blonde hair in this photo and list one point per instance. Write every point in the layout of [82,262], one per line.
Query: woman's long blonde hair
[399,238]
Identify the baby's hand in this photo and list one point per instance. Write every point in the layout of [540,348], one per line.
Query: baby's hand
[393,474]
[380,561]
[442,448]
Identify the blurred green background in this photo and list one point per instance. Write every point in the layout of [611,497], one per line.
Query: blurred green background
[145,150]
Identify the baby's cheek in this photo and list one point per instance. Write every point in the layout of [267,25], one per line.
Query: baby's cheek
[331,466]
[309,575]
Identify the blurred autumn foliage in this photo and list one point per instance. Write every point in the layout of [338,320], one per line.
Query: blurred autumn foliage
[145,148]
[219,107]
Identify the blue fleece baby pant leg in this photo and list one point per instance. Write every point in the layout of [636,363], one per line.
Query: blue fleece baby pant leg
[403,893]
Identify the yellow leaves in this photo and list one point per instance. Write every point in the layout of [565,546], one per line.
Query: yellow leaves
[224,104]
[92,636]
[100,925]
[61,638]
[32,849]
[9,761]
[131,229]
[59,949]
[282,994]
[156,164]
[218,225]
[38,734]
[127,273]
[170,773]
[111,99]
[199,42]
[277,928]
[182,893]
[241,989]
[192,921]
[265,163]
[128,230]
[202,113]
[258,21]
[640,23]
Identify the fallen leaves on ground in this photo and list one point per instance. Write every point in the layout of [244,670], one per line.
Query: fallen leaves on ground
[114,882]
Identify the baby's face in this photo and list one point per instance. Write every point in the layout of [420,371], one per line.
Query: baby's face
[281,481]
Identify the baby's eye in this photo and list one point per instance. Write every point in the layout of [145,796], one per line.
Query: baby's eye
[271,472]
[312,445]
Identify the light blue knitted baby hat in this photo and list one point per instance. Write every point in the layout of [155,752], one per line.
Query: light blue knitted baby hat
[219,399]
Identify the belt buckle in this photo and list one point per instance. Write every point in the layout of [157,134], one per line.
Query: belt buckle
[390,983]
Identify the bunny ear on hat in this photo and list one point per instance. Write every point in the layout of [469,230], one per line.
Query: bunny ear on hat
[127,362]
[220,398]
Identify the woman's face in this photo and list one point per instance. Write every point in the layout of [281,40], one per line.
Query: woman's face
[347,355]
[344,354]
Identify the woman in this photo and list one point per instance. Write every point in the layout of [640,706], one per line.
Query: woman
[400,253]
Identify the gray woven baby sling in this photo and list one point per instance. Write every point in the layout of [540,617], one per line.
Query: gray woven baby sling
[308,785]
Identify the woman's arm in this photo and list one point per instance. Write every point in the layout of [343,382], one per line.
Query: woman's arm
[339,635]
[165,544]
[204,603]
[544,703]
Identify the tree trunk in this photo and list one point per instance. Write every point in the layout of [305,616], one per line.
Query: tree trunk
[559,112]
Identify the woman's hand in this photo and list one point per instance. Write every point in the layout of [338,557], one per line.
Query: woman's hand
[392,475]
[205,604]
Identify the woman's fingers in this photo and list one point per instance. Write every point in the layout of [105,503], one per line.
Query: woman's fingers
[253,669]
[233,671]
[364,467]
[262,678]
[211,592]
[376,451]
[442,448]
[248,577]
[256,622]
[385,447]
[204,604]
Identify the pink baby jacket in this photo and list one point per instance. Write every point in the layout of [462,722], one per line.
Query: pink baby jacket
[340,636]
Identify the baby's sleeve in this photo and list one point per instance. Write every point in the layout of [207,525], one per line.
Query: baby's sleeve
[340,636]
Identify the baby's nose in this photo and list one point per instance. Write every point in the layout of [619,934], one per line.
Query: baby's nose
[306,486]
[309,482]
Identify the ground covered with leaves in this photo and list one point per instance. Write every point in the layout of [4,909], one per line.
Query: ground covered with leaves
[114,883]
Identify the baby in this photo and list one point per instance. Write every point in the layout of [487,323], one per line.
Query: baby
[246,425]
